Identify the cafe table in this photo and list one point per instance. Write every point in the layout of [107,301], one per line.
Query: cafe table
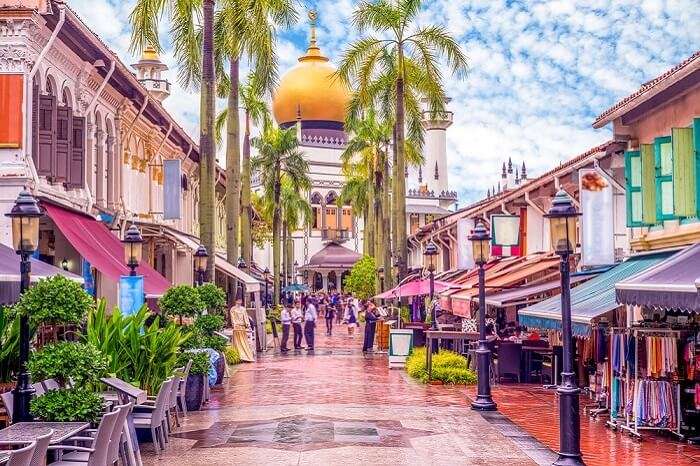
[22,433]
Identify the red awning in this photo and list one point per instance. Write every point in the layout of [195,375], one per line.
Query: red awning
[101,248]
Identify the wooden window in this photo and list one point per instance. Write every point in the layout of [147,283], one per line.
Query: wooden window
[663,155]
[346,221]
[45,125]
[648,184]
[316,220]
[76,167]
[684,180]
[331,218]
[415,223]
[633,191]
[11,126]
[64,130]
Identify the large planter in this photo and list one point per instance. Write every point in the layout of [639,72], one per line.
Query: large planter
[220,368]
[194,394]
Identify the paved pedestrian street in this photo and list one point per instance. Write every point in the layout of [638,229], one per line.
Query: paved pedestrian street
[338,406]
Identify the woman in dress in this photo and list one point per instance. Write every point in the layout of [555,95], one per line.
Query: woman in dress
[351,317]
[241,325]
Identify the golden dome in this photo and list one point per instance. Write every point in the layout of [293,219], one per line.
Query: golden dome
[309,90]
[149,53]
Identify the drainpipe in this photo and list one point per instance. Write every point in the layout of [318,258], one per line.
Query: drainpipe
[103,84]
[30,78]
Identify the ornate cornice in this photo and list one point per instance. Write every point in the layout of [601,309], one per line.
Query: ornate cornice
[18,36]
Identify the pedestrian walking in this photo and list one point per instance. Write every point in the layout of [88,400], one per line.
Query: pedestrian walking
[310,317]
[286,319]
[296,317]
[371,317]
[330,315]
[351,317]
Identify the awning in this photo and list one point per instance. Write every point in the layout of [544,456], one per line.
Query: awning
[251,284]
[523,294]
[10,276]
[427,209]
[101,248]
[417,287]
[589,300]
[672,284]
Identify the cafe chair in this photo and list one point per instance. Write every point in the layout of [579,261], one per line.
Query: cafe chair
[51,384]
[97,451]
[172,401]
[115,440]
[155,418]
[42,445]
[509,361]
[23,456]
[182,389]
[38,389]
[8,400]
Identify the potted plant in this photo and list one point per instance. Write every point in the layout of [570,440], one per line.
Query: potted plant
[81,362]
[207,325]
[70,405]
[182,301]
[213,298]
[194,391]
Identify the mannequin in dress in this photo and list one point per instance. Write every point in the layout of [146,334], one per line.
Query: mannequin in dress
[241,325]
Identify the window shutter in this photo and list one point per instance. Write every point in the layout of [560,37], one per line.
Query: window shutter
[64,121]
[683,172]
[77,159]
[47,126]
[35,125]
[633,188]
[663,154]
[648,184]
[696,159]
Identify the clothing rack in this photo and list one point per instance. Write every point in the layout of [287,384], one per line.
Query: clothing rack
[614,422]
[631,423]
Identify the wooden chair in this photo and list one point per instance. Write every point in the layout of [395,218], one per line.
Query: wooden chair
[23,456]
[42,445]
[97,451]
[155,419]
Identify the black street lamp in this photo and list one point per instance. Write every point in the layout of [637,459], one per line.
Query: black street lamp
[296,266]
[562,223]
[133,247]
[25,216]
[241,263]
[430,252]
[481,243]
[200,263]
[266,275]
[380,275]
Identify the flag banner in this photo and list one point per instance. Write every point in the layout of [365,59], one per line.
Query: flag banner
[131,295]
[597,221]
[172,189]
[464,246]
[505,235]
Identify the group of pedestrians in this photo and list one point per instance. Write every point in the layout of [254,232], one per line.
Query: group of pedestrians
[299,317]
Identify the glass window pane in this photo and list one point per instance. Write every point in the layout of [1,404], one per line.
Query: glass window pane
[636,171]
[667,197]
[636,206]
[666,159]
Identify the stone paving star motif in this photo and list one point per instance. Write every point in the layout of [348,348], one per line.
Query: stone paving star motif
[304,433]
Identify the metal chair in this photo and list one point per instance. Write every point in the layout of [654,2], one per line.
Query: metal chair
[23,456]
[8,399]
[182,389]
[42,445]
[114,439]
[99,445]
[509,360]
[155,419]
[51,384]
[38,389]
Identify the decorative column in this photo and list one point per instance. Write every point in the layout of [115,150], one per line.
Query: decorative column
[100,176]
[112,168]
[324,274]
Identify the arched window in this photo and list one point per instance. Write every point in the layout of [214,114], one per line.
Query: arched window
[317,208]
[331,211]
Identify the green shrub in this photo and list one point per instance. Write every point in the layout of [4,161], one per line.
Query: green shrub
[81,362]
[195,340]
[200,362]
[208,324]
[231,355]
[55,300]
[181,300]
[215,342]
[71,405]
[213,298]
[362,280]
[448,367]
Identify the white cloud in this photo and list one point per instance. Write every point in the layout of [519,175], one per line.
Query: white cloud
[539,71]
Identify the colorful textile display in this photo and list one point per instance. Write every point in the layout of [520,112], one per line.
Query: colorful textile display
[661,356]
[655,404]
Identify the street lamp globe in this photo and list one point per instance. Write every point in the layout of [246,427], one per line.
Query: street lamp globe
[481,243]
[562,223]
[241,263]
[430,252]
[266,272]
[25,215]
[200,259]
[133,245]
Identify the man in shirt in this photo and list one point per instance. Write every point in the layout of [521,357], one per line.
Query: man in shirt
[286,319]
[310,316]
[296,325]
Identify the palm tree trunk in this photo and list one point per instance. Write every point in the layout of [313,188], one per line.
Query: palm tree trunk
[400,180]
[233,167]
[285,250]
[276,220]
[370,227]
[378,225]
[207,148]
[290,255]
[246,211]
[386,219]
[394,177]
[365,232]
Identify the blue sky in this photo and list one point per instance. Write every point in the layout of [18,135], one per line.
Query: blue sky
[540,71]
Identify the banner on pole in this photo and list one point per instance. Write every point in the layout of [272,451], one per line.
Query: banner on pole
[597,220]
[172,189]
[505,235]
[131,295]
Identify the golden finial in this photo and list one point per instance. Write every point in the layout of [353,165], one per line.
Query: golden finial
[313,52]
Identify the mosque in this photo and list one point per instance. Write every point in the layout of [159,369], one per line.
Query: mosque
[309,98]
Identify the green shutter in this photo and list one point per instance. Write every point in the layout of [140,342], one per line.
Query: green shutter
[633,188]
[696,144]
[663,155]
[648,184]
[683,172]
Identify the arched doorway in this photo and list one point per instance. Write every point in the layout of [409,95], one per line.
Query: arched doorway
[332,281]
[318,281]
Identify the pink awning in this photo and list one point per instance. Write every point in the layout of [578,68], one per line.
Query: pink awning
[416,287]
[101,248]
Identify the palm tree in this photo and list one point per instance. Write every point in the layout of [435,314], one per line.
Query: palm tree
[296,213]
[394,21]
[245,28]
[355,192]
[278,154]
[185,17]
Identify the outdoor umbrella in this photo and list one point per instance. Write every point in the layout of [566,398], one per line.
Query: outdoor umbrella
[417,287]
[295,288]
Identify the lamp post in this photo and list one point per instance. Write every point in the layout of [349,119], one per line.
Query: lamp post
[241,265]
[396,263]
[380,275]
[200,263]
[481,242]
[133,247]
[562,223]
[296,266]
[266,274]
[430,253]
[25,216]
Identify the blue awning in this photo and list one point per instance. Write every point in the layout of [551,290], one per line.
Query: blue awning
[589,300]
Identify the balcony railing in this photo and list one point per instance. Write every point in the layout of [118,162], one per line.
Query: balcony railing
[335,234]
[156,84]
